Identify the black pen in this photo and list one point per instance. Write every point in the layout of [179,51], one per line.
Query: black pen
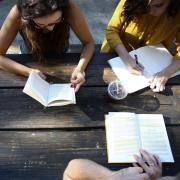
[136,58]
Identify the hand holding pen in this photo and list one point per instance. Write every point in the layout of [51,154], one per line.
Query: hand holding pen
[139,66]
[134,66]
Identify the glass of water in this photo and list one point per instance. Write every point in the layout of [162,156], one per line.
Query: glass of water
[116,90]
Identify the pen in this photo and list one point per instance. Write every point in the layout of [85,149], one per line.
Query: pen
[136,58]
[135,55]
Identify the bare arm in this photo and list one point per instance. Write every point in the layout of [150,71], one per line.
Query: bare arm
[115,42]
[82,169]
[8,33]
[85,169]
[80,28]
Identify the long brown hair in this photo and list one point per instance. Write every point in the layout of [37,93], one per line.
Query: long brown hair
[134,9]
[40,43]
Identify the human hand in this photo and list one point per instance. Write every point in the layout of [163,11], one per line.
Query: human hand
[39,73]
[77,79]
[134,67]
[158,81]
[131,173]
[151,164]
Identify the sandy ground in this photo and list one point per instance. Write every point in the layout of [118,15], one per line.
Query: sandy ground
[97,14]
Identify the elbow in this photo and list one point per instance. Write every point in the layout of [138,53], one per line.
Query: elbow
[74,169]
[90,44]
[2,53]
[1,61]
[93,44]
[109,32]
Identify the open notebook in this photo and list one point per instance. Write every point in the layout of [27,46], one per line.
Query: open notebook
[153,58]
[126,133]
[49,94]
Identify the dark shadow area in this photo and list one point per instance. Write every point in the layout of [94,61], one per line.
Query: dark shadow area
[174,81]
[96,107]
[167,92]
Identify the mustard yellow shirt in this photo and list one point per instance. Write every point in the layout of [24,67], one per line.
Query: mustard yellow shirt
[150,30]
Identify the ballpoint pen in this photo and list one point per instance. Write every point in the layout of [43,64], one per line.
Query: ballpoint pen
[136,58]
[135,55]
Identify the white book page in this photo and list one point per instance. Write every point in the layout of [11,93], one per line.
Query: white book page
[37,88]
[154,136]
[61,94]
[122,138]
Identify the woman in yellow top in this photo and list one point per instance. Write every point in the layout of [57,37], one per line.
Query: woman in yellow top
[45,26]
[137,23]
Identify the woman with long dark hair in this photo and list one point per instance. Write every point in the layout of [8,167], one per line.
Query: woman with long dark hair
[137,23]
[45,27]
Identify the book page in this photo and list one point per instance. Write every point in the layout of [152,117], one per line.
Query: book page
[61,94]
[37,88]
[122,137]
[154,136]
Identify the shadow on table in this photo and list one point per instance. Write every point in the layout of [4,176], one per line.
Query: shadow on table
[96,107]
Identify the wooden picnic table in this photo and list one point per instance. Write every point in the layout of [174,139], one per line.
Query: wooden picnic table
[37,143]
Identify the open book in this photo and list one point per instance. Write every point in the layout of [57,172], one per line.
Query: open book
[49,94]
[126,133]
[153,58]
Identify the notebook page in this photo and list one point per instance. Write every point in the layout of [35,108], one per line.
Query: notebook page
[122,138]
[131,82]
[154,136]
[62,93]
[154,58]
[37,88]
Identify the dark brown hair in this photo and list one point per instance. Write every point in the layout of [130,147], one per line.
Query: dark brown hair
[134,9]
[40,43]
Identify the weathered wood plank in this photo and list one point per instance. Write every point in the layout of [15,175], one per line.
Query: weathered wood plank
[48,152]
[18,110]
[60,68]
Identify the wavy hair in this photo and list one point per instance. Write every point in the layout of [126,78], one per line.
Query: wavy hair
[134,9]
[40,43]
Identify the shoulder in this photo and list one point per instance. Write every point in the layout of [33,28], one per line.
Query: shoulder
[73,7]
[120,6]
[74,11]
[14,16]
[72,3]
[14,13]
